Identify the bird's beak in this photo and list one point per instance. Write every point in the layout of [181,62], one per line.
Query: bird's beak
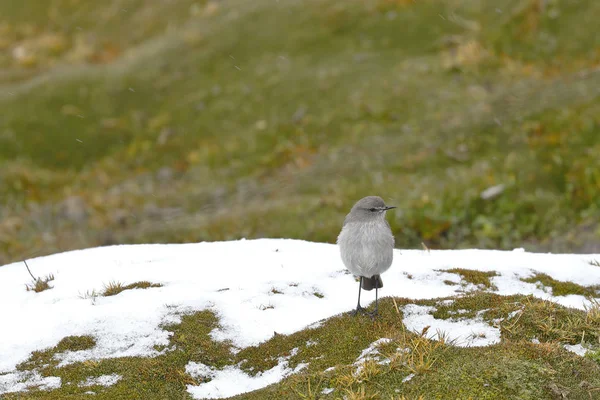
[389,207]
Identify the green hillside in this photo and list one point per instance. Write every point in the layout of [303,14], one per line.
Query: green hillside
[131,121]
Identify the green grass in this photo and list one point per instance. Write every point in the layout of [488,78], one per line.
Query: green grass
[426,104]
[515,368]
[477,278]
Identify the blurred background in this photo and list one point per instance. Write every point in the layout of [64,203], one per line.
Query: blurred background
[162,121]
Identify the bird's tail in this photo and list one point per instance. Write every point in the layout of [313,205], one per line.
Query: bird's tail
[372,282]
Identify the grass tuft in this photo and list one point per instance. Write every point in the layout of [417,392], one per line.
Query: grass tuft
[40,284]
[360,394]
[311,391]
[113,288]
[89,294]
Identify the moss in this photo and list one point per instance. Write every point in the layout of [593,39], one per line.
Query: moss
[508,370]
[560,288]
[75,343]
[515,368]
[160,377]
[478,278]
[594,355]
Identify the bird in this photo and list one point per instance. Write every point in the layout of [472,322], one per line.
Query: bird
[366,245]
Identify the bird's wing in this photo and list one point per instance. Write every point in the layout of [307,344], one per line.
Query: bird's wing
[391,233]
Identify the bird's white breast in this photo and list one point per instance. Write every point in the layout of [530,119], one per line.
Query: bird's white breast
[366,247]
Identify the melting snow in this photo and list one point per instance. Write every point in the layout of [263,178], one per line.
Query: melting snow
[464,332]
[231,381]
[102,380]
[130,323]
[577,349]
[20,381]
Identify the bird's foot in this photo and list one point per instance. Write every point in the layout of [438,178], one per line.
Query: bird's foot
[359,309]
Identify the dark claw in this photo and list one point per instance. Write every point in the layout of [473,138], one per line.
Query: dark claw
[358,309]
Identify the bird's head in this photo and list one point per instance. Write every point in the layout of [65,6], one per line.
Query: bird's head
[369,207]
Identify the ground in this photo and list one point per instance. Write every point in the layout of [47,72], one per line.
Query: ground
[271,319]
[130,121]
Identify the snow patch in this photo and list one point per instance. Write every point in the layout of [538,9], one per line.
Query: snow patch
[102,380]
[577,349]
[464,332]
[22,381]
[370,352]
[231,380]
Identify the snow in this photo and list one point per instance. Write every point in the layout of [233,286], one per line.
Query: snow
[102,380]
[20,381]
[235,280]
[577,349]
[369,352]
[460,332]
[221,385]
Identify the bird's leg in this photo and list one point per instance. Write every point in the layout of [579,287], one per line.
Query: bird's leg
[358,307]
[376,299]
[375,312]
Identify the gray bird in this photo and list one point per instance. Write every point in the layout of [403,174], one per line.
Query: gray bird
[367,244]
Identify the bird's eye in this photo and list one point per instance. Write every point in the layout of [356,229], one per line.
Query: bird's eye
[372,209]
